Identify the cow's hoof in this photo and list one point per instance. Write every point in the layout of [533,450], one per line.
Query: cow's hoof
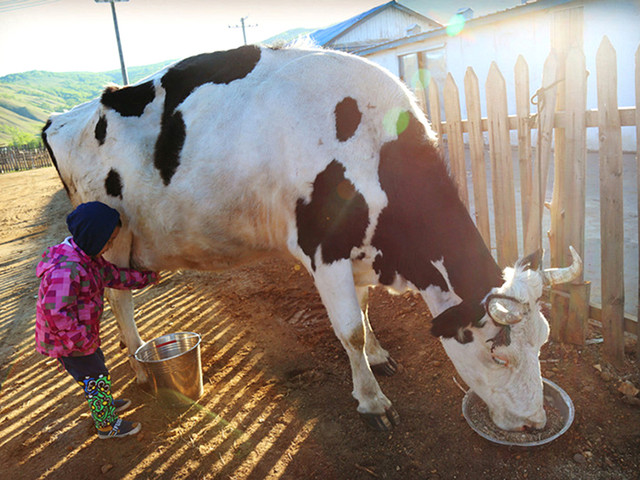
[388,368]
[384,422]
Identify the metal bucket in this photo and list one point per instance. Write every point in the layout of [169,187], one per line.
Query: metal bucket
[173,365]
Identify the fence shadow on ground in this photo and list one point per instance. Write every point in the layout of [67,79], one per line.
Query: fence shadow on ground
[242,427]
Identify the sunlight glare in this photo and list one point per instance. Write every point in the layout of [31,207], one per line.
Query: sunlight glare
[420,79]
[396,121]
[456,25]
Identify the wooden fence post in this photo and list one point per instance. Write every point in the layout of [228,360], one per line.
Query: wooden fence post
[476,147]
[546,101]
[638,190]
[453,128]
[501,167]
[434,113]
[521,76]
[574,190]
[611,217]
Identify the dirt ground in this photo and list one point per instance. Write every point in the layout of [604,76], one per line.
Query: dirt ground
[276,401]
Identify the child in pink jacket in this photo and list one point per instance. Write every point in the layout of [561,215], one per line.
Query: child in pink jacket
[73,276]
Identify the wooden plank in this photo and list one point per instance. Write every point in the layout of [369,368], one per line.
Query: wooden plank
[556,233]
[595,313]
[476,147]
[501,168]
[521,76]
[576,325]
[455,141]
[631,324]
[611,218]
[434,113]
[566,32]
[627,119]
[637,117]
[576,150]
[546,100]
[574,190]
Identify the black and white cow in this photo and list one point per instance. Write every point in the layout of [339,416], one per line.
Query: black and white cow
[229,156]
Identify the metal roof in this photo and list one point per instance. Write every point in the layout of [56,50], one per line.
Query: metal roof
[323,36]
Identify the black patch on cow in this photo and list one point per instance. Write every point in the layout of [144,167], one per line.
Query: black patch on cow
[101,130]
[452,322]
[426,221]
[182,79]
[348,118]
[166,157]
[335,219]
[217,67]
[113,184]
[51,155]
[129,101]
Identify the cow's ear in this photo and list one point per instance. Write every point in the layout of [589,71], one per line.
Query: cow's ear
[531,261]
[453,321]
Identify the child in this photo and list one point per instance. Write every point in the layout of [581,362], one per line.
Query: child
[73,278]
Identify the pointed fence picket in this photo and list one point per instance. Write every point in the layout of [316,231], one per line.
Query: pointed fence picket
[564,123]
[476,147]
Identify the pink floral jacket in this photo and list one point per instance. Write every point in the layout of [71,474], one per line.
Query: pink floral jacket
[70,299]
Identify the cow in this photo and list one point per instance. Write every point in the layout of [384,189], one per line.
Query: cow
[227,157]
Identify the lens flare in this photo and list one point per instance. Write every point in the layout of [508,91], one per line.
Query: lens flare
[456,25]
[396,121]
[421,79]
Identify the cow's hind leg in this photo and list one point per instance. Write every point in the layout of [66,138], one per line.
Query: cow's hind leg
[379,359]
[335,285]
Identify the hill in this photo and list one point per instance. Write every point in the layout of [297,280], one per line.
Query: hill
[288,36]
[27,99]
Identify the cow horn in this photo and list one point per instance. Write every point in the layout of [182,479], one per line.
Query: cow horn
[553,276]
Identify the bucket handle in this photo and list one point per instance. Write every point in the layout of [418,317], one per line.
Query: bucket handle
[166,343]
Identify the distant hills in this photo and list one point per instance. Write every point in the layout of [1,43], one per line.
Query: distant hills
[27,99]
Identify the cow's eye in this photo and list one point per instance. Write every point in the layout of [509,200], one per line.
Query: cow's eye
[503,362]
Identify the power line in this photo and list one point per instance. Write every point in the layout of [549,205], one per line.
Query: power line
[12,5]
[244,27]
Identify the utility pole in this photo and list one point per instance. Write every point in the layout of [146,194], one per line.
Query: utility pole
[243,26]
[125,78]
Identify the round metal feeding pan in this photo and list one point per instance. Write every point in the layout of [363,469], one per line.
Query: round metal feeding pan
[173,365]
[560,415]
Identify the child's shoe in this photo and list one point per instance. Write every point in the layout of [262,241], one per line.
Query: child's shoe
[120,428]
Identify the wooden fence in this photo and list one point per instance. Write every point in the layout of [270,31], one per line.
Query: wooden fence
[561,115]
[13,159]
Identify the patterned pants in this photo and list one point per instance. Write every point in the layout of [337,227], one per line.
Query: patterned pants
[92,375]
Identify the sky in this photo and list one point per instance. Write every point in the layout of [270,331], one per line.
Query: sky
[79,35]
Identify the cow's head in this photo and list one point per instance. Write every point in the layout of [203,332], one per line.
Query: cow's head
[497,354]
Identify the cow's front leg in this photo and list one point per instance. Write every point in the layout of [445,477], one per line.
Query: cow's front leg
[379,359]
[335,285]
[121,302]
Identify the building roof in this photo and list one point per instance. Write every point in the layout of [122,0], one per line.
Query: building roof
[528,7]
[324,36]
